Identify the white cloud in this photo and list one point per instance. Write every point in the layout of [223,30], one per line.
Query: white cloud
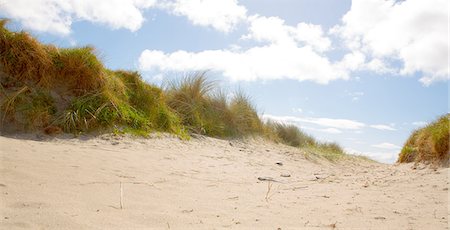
[339,124]
[274,30]
[56,16]
[386,145]
[383,157]
[275,61]
[383,127]
[412,31]
[291,53]
[324,130]
[222,15]
[388,157]
[324,122]
[330,130]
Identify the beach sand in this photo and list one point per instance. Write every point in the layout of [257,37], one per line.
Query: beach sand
[205,183]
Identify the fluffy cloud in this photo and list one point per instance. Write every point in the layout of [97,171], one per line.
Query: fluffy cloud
[332,125]
[386,156]
[291,53]
[57,16]
[413,32]
[39,15]
[222,15]
[274,30]
[325,130]
[324,122]
[258,63]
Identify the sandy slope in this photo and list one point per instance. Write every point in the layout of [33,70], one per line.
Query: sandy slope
[207,184]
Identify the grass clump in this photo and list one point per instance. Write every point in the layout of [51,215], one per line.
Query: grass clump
[204,110]
[22,57]
[32,108]
[291,135]
[78,69]
[150,101]
[429,144]
[244,117]
[43,87]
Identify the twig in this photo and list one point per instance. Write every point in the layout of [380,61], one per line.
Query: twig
[269,187]
[121,196]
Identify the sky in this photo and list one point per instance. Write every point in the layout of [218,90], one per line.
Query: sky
[362,73]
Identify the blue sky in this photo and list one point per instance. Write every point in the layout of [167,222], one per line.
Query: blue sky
[363,73]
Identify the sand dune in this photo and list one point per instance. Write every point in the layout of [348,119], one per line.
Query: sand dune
[207,184]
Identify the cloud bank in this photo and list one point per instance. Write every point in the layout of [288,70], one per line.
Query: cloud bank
[330,125]
[414,32]
[57,16]
[286,52]
[407,37]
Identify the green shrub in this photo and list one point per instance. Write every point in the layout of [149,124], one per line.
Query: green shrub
[290,134]
[428,144]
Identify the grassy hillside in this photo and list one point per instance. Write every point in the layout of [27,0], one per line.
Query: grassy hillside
[429,144]
[55,90]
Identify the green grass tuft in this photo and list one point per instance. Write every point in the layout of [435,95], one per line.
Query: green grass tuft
[53,89]
[429,144]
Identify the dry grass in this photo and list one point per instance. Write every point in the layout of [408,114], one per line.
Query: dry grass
[429,144]
[53,89]
[291,135]
[78,69]
[23,57]
[45,86]
[204,109]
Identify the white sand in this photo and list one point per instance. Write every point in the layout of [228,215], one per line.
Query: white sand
[207,184]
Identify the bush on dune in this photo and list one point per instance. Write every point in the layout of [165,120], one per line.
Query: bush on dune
[205,110]
[291,135]
[429,144]
[43,87]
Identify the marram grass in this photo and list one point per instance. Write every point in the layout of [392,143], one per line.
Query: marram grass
[51,89]
[429,144]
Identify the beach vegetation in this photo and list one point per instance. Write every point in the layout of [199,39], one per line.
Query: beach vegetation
[429,144]
[54,90]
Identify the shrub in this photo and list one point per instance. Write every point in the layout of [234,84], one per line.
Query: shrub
[78,69]
[290,134]
[428,144]
[23,57]
[189,98]
[150,101]
[205,110]
[244,115]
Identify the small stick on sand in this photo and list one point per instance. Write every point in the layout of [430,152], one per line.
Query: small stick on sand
[121,195]
[269,187]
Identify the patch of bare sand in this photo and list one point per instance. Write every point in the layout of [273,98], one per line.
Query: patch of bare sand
[207,184]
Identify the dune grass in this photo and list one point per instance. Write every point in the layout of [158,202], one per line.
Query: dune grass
[45,86]
[51,89]
[429,144]
[203,109]
[291,135]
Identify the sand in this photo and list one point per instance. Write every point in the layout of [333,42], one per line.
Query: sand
[204,183]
